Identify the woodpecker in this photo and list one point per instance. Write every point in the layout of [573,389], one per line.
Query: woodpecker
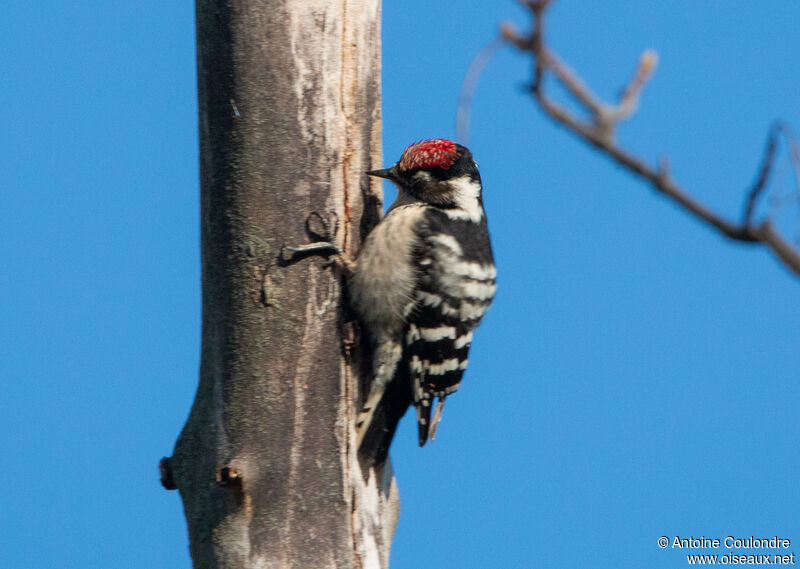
[420,286]
[423,280]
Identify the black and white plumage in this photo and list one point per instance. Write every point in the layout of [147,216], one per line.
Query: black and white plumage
[422,282]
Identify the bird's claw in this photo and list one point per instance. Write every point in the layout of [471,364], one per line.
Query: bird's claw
[327,234]
[326,246]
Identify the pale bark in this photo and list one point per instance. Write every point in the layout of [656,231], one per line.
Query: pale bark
[289,114]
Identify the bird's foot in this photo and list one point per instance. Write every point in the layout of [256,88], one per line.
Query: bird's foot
[326,244]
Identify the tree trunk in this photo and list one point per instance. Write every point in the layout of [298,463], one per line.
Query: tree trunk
[289,111]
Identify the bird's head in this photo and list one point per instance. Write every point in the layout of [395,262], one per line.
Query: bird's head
[437,171]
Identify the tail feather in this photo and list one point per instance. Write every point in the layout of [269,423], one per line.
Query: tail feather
[367,414]
[423,420]
[437,416]
[382,393]
[375,434]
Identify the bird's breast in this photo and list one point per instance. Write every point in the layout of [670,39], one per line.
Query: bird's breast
[384,279]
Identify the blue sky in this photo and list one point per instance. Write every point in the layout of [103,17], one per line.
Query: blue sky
[636,377]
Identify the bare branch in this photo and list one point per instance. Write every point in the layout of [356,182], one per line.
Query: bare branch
[604,117]
[782,248]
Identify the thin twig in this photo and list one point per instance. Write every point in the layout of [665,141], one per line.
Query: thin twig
[468,87]
[573,83]
[629,100]
[794,153]
[763,174]
[604,117]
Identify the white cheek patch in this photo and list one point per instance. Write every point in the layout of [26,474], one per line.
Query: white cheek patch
[465,195]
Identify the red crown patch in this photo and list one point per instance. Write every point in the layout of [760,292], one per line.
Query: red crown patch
[429,154]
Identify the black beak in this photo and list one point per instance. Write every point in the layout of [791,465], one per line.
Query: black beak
[385,173]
